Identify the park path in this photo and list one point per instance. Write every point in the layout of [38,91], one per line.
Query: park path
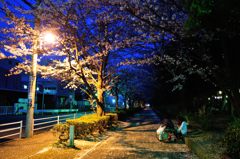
[25,148]
[137,140]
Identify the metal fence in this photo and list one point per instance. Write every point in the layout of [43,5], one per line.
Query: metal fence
[43,123]
[6,110]
[16,128]
[9,130]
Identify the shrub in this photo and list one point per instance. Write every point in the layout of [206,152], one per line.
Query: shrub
[232,139]
[112,124]
[87,125]
[62,131]
[113,118]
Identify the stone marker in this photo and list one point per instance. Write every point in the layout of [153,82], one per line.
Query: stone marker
[71,136]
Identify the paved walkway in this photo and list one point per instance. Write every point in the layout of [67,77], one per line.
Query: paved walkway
[25,148]
[137,140]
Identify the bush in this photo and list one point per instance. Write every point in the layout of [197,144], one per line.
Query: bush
[113,119]
[88,125]
[232,139]
[62,131]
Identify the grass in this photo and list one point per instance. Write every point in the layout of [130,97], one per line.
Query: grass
[206,135]
[206,145]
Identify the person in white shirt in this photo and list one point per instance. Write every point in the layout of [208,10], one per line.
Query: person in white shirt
[166,125]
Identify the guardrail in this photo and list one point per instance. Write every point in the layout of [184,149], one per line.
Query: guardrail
[43,123]
[11,129]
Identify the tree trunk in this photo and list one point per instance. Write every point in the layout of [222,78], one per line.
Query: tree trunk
[131,103]
[235,101]
[100,102]
[125,102]
[100,94]
[116,104]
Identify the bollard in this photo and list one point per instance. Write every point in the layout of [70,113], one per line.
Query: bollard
[71,136]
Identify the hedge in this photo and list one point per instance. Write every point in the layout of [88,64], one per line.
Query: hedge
[85,126]
[232,139]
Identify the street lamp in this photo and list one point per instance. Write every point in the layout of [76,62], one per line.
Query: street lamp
[220,92]
[47,37]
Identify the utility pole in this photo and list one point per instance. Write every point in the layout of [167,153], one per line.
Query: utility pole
[33,79]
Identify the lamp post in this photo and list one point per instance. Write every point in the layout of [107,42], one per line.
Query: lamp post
[32,83]
[49,38]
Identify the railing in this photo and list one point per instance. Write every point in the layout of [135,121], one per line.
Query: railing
[43,123]
[7,130]
[39,124]
[6,110]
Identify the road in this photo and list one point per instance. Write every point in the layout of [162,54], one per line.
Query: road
[137,140]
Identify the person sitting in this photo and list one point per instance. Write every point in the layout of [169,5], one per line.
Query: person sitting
[164,132]
[182,128]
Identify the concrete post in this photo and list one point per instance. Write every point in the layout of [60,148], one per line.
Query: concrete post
[71,136]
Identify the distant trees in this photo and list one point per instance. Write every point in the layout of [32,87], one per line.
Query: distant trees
[214,27]
[208,48]
[131,84]
[192,38]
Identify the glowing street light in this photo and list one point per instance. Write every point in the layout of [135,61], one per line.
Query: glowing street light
[49,38]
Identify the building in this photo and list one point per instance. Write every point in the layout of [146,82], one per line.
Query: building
[50,94]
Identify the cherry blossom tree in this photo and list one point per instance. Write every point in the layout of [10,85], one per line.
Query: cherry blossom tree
[92,32]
